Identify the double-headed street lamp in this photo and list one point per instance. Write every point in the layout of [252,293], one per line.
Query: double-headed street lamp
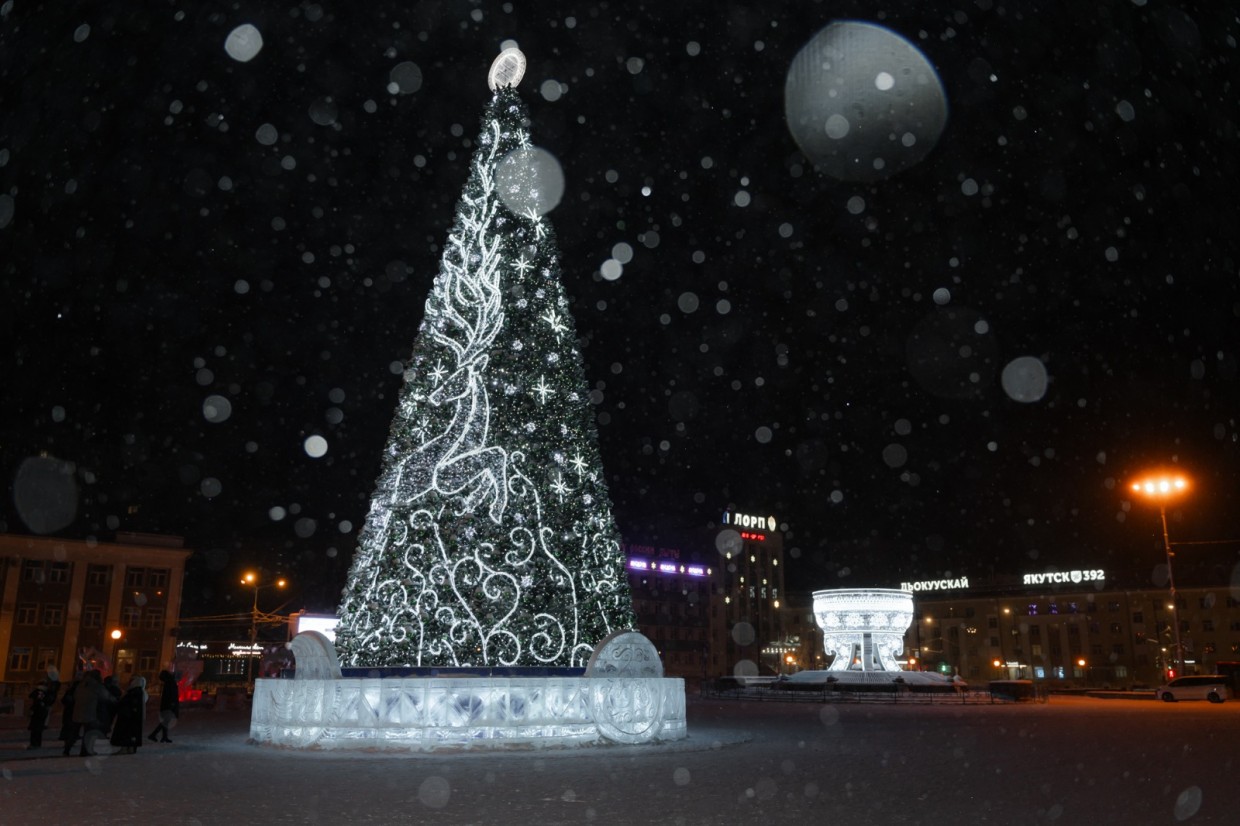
[251,579]
[1161,488]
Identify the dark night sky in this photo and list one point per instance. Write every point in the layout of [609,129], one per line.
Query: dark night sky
[1081,201]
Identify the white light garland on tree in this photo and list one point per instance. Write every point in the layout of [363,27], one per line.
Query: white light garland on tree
[477,550]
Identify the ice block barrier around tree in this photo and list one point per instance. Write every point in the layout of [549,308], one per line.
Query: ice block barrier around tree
[612,702]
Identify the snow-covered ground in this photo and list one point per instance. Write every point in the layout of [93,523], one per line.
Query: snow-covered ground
[1073,760]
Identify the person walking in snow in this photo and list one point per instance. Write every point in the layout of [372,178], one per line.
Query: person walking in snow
[169,707]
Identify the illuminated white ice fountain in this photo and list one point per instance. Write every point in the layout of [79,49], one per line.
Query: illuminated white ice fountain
[863,628]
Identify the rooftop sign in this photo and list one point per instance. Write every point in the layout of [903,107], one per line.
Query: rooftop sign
[748,520]
[936,584]
[1060,577]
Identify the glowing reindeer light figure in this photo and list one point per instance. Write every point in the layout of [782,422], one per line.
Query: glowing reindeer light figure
[459,459]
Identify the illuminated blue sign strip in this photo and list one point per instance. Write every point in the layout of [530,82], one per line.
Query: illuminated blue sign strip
[666,567]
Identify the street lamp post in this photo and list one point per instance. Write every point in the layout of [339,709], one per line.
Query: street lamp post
[252,580]
[1161,488]
[1007,672]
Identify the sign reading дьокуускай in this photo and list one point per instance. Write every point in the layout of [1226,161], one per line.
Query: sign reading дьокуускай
[936,584]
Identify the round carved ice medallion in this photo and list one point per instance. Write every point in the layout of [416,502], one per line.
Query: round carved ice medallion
[625,654]
[627,711]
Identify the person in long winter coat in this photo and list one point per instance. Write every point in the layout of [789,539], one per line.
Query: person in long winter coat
[67,726]
[130,714]
[86,699]
[40,707]
[107,707]
[169,706]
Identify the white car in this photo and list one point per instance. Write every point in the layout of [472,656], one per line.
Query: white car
[1212,687]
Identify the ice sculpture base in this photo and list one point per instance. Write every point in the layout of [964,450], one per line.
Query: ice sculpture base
[424,713]
[860,680]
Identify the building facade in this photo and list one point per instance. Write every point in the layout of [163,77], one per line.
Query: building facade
[1063,627]
[672,592]
[749,629]
[73,604]
[716,606]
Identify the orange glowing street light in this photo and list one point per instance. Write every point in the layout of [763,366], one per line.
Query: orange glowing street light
[251,579]
[1161,487]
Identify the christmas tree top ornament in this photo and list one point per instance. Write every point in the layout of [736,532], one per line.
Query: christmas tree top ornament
[507,69]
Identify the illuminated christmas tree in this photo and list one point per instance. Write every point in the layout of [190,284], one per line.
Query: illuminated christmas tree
[490,538]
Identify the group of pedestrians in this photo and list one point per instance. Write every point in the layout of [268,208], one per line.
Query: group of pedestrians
[94,707]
